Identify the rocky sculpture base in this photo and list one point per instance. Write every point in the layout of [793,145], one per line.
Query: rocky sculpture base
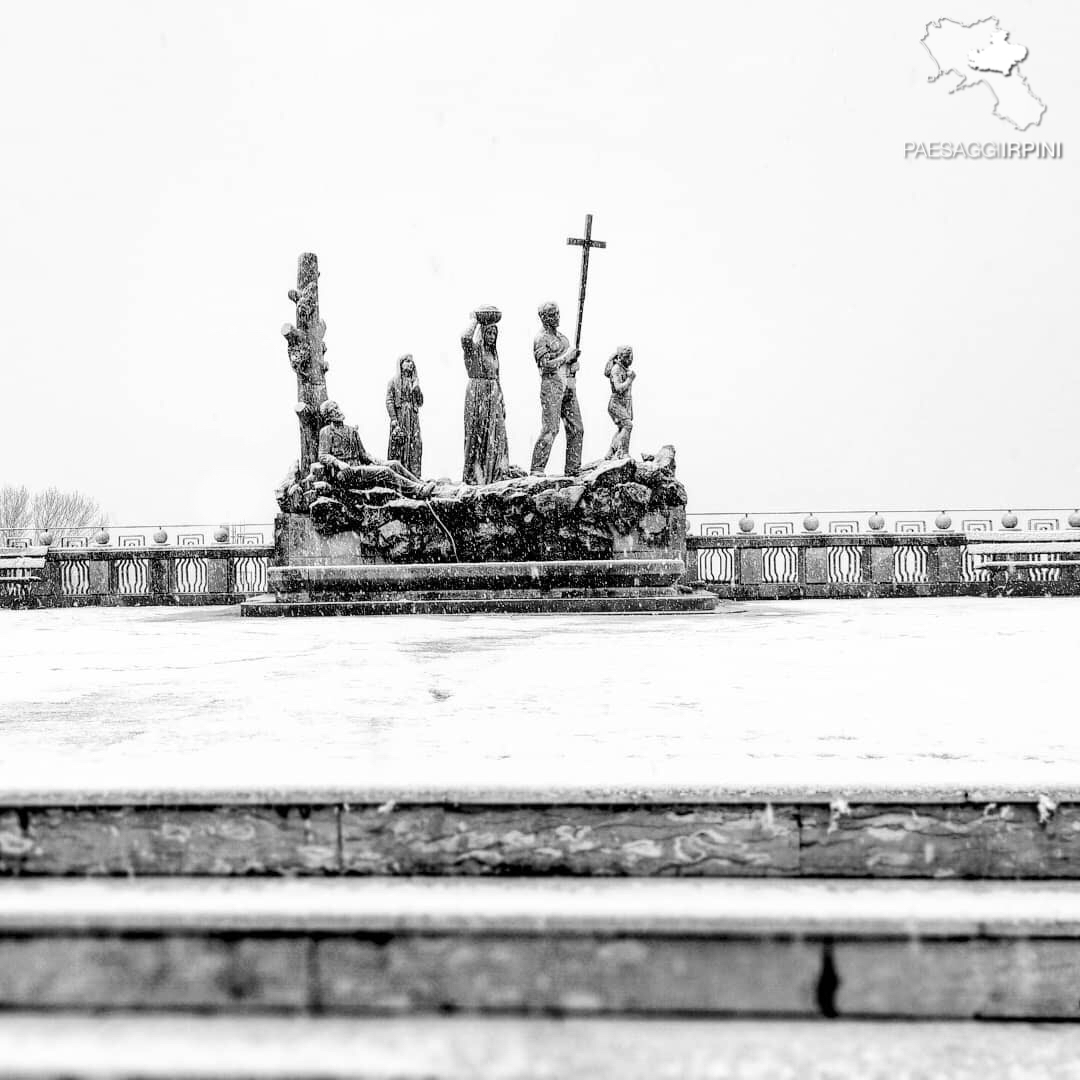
[595,586]
[613,509]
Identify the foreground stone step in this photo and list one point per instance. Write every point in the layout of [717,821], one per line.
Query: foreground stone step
[576,831]
[781,948]
[454,1048]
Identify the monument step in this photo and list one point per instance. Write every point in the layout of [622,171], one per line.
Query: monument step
[575,831]
[632,602]
[491,594]
[459,1048]
[813,949]
[596,586]
[381,577]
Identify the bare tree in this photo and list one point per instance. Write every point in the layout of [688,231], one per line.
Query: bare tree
[14,507]
[55,510]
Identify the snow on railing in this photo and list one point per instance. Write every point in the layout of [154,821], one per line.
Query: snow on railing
[125,536]
[846,522]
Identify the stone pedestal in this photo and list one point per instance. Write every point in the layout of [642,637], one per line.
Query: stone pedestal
[610,540]
[298,543]
[660,535]
[595,586]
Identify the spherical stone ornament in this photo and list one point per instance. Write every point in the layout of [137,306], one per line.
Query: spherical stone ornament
[943,522]
[221,534]
[810,523]
[1009,520]
[101,537]
[746,523]
[161,536]
[1074,520]
[876,522]
[46,539]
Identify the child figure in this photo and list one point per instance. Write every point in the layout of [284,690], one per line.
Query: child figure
[621,406]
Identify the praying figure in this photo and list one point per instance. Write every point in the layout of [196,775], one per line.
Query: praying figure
[486,450]
[621,405]
[403,400]
[558,364]
[343,455]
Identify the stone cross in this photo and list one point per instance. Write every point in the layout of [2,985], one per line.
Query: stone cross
[306,355]
[585,243]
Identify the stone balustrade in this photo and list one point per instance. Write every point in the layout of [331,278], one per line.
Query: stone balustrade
[744,558]
[159,575]
[749,566]
[139,565]
[860,553]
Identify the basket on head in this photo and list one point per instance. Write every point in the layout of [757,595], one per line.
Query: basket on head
[487,316]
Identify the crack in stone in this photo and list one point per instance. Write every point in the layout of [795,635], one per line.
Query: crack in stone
[828,982]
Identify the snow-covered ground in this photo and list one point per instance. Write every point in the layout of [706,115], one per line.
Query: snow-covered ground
[939,696]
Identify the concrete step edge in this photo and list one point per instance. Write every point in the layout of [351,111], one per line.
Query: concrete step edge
[597,907]
[842,793]
[452,1048]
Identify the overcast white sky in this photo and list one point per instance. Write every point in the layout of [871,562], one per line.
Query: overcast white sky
[817,323]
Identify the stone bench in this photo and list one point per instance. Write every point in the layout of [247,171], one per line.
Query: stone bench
[21,570]
[1011,560]
[659,948]
[459,1048]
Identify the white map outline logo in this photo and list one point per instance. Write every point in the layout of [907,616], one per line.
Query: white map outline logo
[980,53]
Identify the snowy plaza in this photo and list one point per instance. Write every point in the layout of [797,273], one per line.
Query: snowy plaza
[839,697]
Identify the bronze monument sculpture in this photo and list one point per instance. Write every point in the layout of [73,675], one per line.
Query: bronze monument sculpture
[621,405]
[486,450]
[307,355]
[558,364]
[342,456]
[357,535]
[403,401]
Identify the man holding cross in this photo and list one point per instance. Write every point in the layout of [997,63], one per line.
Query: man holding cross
[558,364]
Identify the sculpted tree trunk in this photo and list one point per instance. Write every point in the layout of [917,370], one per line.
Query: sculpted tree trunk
[306,355]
